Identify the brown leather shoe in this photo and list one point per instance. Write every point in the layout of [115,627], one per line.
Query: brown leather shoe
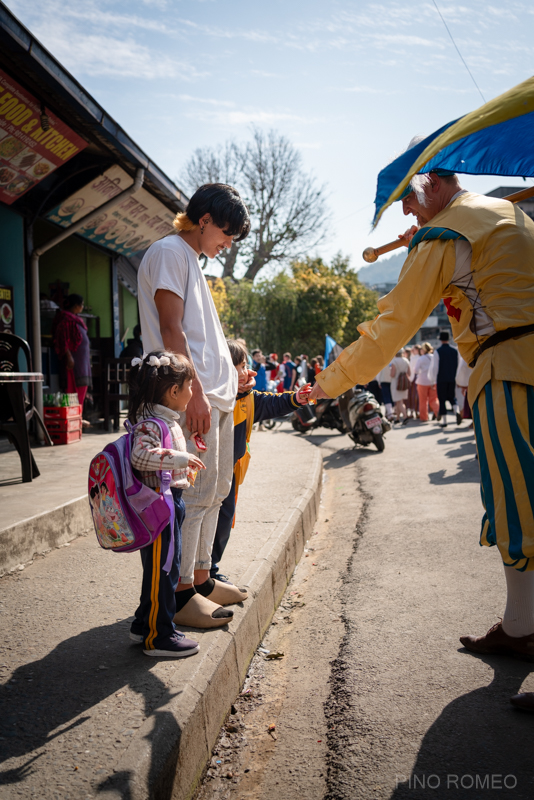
[497,642]
[524,701]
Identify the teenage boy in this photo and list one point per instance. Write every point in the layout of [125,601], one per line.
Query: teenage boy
[178,314]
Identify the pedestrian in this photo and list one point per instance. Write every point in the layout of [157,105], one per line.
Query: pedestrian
[258,365]
[463,373]
[303,374]
[273,372]
[400,384]
[312,371]
[477,253]
[413,396]
[290,377]
[178,314]
[160,387]
[428,395]
[134,348]
[320,364]
[384,380]
[252,406]
[72,345]
[445,364]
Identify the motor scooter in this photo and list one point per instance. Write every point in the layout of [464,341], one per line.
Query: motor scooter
[356,412]
[367,425]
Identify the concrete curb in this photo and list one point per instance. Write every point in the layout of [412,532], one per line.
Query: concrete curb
[39,534]
[167,757]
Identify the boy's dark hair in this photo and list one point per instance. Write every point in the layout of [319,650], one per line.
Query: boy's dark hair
[149,383]
[73,300]
[238,351]
[225,206]
[254,352]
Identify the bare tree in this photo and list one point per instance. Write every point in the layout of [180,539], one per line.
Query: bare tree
[287,208]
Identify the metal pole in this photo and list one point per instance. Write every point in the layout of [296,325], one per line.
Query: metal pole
[38,252]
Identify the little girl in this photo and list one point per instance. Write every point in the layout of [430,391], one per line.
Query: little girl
[160,386]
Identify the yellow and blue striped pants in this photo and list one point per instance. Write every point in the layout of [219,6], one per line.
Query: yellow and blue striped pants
[503,416]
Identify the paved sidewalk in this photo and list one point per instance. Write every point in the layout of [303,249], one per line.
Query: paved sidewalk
[82,710]
[51,510]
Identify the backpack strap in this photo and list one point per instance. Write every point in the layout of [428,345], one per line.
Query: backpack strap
[165,478]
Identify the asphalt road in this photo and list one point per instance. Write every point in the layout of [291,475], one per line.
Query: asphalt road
[375,697]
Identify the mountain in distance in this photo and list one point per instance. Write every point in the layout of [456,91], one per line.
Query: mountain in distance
[385,270]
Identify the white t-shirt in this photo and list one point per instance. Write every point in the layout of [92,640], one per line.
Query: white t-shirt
[172,264]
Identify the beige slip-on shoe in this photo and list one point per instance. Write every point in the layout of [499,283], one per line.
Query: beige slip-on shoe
[198,613]
[226,593]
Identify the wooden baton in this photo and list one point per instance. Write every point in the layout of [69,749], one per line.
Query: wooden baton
[370,254]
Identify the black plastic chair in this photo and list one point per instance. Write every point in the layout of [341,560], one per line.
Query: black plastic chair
[16,407]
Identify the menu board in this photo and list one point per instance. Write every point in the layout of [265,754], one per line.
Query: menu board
[126,228]
[7,311]
[27,153]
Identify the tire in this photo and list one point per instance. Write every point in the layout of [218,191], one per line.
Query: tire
[298,426]
[269,424]
[378,441]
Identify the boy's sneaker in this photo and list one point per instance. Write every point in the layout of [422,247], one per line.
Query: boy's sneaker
[222,578]
[176,646]
[135,633]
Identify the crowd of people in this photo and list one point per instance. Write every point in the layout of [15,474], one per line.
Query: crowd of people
[282,376]
[420,381]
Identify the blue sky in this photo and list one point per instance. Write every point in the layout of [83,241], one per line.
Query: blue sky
[348,82]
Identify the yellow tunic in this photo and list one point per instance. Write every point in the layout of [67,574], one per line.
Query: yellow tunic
[502,240]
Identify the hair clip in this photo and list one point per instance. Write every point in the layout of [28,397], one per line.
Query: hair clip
[136,361]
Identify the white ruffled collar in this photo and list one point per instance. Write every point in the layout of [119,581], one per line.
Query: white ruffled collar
[163,412]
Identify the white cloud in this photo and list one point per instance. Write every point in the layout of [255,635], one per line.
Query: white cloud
[96,54]
[241,118]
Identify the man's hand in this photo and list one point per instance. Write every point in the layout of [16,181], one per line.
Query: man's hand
[303,394]
[318,394]
[408,235]
[198,414]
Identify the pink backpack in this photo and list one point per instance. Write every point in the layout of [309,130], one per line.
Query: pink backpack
[128,515]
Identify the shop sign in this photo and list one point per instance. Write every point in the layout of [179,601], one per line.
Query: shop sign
[27,152]
[127,227]
[7,311]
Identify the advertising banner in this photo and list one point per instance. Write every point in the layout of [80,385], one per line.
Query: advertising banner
[7,310]
[27,152]
[131,226]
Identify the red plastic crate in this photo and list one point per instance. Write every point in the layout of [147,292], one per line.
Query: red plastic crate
[62,412]
[66,437]
[63,425]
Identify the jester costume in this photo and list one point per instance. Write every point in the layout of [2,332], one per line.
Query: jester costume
[478,255]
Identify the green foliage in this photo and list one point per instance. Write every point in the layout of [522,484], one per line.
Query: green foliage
[293,311]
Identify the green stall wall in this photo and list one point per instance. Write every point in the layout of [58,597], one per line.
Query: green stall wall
[84,268]
[129,312]
[12,263]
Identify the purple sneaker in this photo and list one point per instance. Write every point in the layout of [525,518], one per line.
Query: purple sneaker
[176,646]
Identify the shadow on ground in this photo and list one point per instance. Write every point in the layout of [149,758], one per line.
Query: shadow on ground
[474,738]
[466,463]
[78,674]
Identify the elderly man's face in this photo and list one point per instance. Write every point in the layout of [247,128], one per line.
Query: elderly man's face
[437,192]
[411,205]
